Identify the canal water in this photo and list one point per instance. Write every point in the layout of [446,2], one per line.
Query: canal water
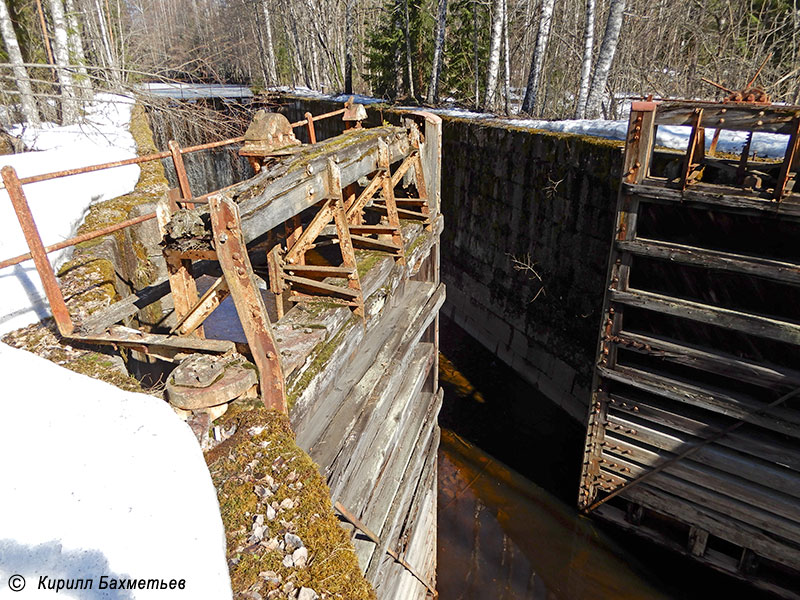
[508,479]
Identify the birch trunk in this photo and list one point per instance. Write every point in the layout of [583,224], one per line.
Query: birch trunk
[348,47]
[605,58]
[76,49]
[539,52]
[27,102]
[408,50]
[490,97]
[108,54]
[586,64]
[506,61]
[69,104]
[272,71]
[438,53]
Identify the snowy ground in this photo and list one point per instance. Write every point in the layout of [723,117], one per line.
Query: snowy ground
[100,482]
[59,205]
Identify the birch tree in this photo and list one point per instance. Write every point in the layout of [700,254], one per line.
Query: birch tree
[69,104]
[76,49]
[27,102]
[272,71]
[438,52]
[586,63]
[494,53]
[605,58]
[537,62]
[348,47]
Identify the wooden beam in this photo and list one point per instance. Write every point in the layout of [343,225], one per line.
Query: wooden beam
[721,363]
[323,288]
[770,118]
[300,181]
[731,404]
[751,324]
[204,307]
[127,307]
[709,197]
[766,268]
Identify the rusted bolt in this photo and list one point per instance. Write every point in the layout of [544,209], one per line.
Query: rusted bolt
[310,169]
[236,256]
[223,238]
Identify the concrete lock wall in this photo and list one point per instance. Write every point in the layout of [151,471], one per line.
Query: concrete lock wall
[528,226]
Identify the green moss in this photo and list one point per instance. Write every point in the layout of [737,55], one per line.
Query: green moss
[366,259]
[319,358]
[264,445]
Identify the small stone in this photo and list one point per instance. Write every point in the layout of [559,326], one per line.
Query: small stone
[288,561]
[291,476]
[271,544]
[307,594]
[298,485]
[262,492]
[259,520]
[287,504]
[270,482]
[292,542]
[300,557]
[288,587]
[258,534]
[271,513]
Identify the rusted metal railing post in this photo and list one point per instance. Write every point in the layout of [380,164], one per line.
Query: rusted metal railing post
[38,253]
[312,135]
[180,170]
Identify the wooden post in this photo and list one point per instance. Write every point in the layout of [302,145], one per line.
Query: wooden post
[38,253]
[343,232]
[238,272]
[791,162]
[181,282]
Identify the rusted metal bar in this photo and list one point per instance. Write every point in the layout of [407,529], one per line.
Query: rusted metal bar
[180,171]
[692,449]
[45,270]
[326,115]
[238,272]
[85,237]
[356,522]
[312,134]
[790,162]
[123,163]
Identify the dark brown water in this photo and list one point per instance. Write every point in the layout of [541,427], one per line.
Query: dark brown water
[508,479]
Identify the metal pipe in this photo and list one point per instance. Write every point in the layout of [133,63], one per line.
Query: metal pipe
[84,237]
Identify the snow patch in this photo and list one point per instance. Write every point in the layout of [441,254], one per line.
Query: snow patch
[98,481]
[59,205]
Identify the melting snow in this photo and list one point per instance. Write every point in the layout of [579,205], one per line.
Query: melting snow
[101,482]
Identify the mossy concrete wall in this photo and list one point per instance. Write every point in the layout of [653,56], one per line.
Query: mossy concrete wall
[510,196]
[513,197]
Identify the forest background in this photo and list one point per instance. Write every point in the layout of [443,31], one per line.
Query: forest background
[551,59]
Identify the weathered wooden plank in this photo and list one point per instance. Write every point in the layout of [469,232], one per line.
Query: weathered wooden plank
[679,352]
[709,197]
[363,479]
[758,325]
[319,270]
[127,307]
[349,417]
[371,229]
[673,443]
[719,525]
[771,118]
[760,445]
[368,243]
[266,201]
[735,405]
[339,405]
[714,500]
[323,288]
[691,255]
[413,471]
[207,304]
[155,344]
